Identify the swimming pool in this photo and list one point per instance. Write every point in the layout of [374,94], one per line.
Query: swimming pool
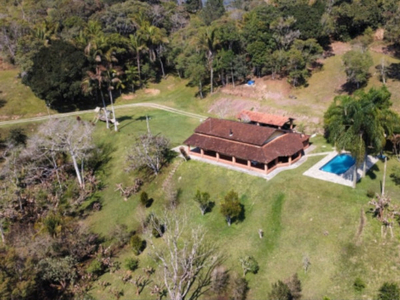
[339,164]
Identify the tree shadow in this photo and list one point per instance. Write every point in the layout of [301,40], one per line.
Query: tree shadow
[393,71]
[242,215]
[149,202]
[350,87]
[124,118]
[143,118]
[3,102]
[210,207]
[372,172]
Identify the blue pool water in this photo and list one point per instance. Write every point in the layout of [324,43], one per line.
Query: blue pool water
[339,164]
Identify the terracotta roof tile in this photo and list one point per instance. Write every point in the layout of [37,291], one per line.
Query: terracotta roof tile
[263,118]
[235,131]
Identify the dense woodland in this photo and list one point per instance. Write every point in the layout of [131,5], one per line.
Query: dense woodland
[70,52]
[74,54]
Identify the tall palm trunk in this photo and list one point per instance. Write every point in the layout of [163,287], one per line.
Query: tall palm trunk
[113,111]
[211,78]
[138,68]
[105,109]
[200,89]
[78,173]
[162,67]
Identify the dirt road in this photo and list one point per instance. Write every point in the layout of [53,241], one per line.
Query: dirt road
[116,107]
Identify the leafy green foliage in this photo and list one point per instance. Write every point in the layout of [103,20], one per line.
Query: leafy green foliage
[132,264]
[56,75]
[357,65]
[280,291]
[359,285]
[389,291]
[96,267]
[203,199]
[231,207]
[144,198]
[249,264]
[137,244]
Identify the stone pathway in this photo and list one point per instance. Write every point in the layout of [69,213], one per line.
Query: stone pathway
[343,179]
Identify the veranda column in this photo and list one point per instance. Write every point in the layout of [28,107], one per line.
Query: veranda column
[266,168]
[217,156]
[202,152]
[234,159]
[290,160]
[249,164]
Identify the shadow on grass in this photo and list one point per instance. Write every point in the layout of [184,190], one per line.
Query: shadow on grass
[143,118]
[2,102]
[372,172]
[124,118]
[149,202]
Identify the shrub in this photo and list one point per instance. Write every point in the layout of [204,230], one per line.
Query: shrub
[239,288]
[137,244]
[389,291]
[249,264]
[280,291]
[132,264]
[370,193]
[359,284]
[96,268]
[144,198]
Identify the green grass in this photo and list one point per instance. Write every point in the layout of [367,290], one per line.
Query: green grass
[16,99]
[300,216]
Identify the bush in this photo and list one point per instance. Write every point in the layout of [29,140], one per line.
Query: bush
[370,193]
[280,291]
[389,291]
[95,268]
[144,198]
[249,264]
[359,284]
[239,288]
[137,244]
[132,264]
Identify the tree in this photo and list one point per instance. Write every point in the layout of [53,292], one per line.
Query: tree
[294,285]
[58,270]
[389,291]
[212,11]
[360,124]
[144,198]
[357,66]
[280,291]
[56,75]
[70,136]
[203,199]
[186,258]
[231,207]
[249,264]
[149,151]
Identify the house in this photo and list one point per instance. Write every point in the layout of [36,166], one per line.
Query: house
[246,145]
[262,119]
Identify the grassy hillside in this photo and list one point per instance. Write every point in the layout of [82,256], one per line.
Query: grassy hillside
[314,219]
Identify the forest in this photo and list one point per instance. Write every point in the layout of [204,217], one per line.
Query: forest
[77,55]
[71,52]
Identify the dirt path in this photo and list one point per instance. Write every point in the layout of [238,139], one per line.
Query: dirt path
[117,107]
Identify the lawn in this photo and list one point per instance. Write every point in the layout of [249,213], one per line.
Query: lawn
[316,220]
[16,99]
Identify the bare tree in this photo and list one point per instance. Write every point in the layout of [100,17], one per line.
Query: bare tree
[67,136]
[185,257]
[149,151]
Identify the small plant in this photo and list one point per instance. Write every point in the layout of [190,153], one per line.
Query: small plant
[132,264]
[370,193]
[249,264]
[144,198]
[137,244]
[95,268]
[359,284]
[389,291]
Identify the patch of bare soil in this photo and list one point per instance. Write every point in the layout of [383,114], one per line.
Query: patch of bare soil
[153,92]
[379,34]
[340,48]
[4,65]
[129,96]
[264,88]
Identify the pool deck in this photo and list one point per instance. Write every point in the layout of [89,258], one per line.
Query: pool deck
[343,179]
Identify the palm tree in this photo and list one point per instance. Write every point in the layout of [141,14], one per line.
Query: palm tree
[137,45]
[361,124]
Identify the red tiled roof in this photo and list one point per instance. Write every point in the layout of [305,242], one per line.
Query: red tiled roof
[283,146]
[235,131]
[263,118]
